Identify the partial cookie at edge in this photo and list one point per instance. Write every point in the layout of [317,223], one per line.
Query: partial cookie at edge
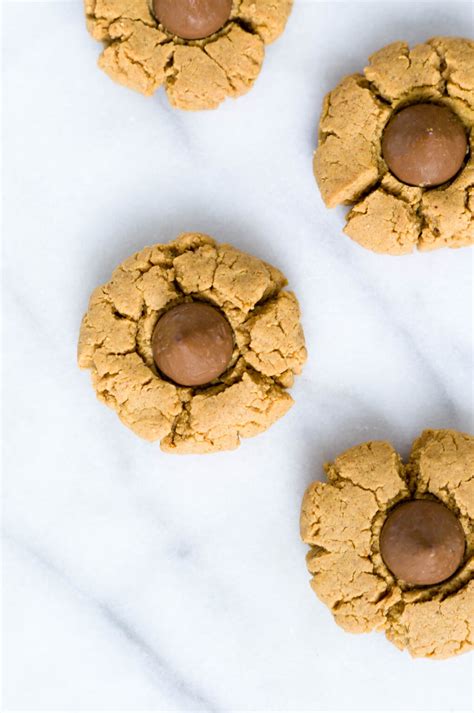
[140,54]
[387,216]
[341,520]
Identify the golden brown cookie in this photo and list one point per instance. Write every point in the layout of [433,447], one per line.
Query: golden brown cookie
[197,74]
[342,520]
[115,343]
[389,216]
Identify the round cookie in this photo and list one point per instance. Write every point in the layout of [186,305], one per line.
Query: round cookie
[342,520]
[140,53]
[387,215]
[116,344]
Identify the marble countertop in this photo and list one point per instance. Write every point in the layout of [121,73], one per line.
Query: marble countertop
[134,580]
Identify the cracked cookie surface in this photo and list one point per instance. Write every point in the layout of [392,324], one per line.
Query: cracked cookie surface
[142,55]
[342,519]
[116,335]
[388,216]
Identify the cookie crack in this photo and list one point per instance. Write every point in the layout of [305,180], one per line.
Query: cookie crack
[341,479]
[247,27]
[443,69]
[120,18]
[233,85]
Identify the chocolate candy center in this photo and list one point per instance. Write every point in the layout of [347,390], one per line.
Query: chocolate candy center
[192,19]
[192,344]
[422,542]
[424,145]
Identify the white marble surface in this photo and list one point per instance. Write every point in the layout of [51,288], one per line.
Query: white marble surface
[138,581]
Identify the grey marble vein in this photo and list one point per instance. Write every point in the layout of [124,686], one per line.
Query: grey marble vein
[157,666]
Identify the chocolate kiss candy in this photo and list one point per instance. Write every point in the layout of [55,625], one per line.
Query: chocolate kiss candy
[424,145]
[192,19]
[192,344]
[422,542]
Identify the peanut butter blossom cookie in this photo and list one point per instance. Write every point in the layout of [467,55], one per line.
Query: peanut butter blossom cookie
[397,143]
[194,344]
[201,51]
[392,545]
